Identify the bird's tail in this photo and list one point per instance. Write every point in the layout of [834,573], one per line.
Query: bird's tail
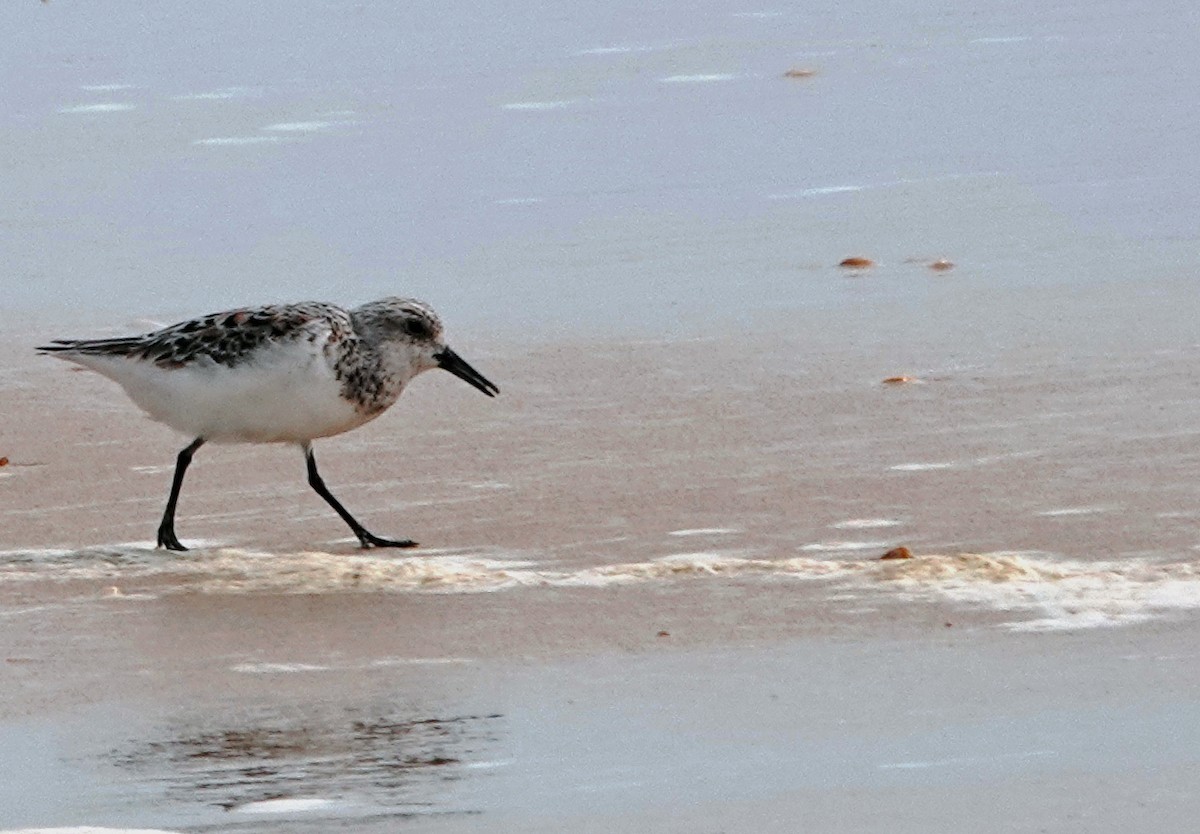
[121,346]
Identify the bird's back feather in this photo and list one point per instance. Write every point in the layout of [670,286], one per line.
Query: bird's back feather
[227,338]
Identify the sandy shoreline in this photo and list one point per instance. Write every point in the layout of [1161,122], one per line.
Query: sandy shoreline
[636,464]
[648,600]
[786,438]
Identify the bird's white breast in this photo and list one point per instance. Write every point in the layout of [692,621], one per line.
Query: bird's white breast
[283,393]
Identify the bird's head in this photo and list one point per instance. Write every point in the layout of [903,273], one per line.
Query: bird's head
[409,334]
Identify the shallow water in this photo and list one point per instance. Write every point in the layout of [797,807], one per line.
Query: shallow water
[607,169]
[842,734]
[246,768]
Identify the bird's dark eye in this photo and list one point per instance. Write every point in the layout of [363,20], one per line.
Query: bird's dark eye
[417,329]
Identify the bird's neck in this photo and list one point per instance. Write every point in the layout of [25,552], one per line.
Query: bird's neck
[371,378]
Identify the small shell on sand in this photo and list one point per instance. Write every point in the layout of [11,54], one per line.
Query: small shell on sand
[800,72]
[899,380]
[856,262]
[941,265]
[898,553]
[3,461]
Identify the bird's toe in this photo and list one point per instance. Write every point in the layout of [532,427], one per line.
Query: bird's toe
[371,540]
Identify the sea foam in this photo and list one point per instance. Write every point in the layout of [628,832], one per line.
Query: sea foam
[1042,591]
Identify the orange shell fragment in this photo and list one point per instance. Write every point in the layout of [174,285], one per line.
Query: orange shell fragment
[856,262]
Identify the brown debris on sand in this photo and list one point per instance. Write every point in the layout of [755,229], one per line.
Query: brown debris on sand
[856,262]
[901,552]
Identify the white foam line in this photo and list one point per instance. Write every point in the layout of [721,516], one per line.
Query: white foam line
[623,50]
[150,548]
[152,469]
[1072,511]
[276,668]
[221,94]
[231,570]
[298,127]
[267,668]
[538,105]
[705,531]
[610,50]
[818,191]
[239,140]
[115,593]
[1062,596]
[920,467]
[1009,39]
[488,765]
[103,107]
[286,805]
[838,547]
[418,661]
[105,88]
[700,78]
[1041,592]
[830,189]
[1067,620]
[865,523]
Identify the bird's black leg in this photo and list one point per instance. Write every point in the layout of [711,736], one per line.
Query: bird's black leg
[166,530]
[365,537]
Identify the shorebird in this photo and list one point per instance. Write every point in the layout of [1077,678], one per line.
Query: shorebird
[282,373]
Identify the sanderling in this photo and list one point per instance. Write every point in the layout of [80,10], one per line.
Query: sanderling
[286,373]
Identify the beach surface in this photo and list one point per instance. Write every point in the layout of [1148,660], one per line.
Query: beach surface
[649,593]
[659,609]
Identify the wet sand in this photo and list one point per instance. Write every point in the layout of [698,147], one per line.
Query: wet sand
[781,440]
[649,598]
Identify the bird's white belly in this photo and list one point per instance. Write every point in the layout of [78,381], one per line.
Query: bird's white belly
[283,396]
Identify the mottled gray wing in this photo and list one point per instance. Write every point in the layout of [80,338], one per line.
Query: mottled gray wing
[228,338]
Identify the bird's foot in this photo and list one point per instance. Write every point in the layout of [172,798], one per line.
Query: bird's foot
[167,539]
[369,540]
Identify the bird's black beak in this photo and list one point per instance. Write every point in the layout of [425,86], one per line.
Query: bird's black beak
[450,361]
